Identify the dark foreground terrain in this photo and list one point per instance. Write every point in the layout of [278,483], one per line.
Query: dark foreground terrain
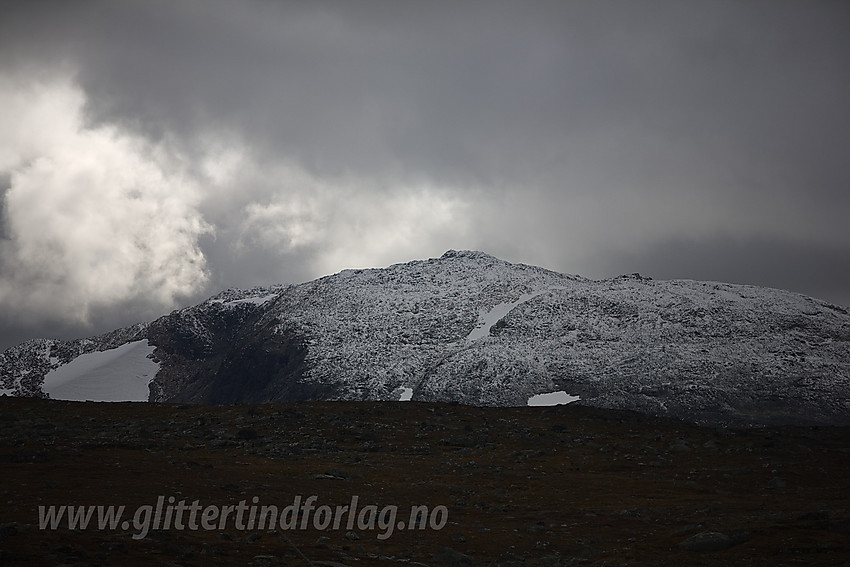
[562,485]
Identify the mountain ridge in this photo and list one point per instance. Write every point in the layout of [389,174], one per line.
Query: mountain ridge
[471,328]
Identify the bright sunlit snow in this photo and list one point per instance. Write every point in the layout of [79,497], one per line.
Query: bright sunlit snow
[117,375]
[551,399]
[406,394]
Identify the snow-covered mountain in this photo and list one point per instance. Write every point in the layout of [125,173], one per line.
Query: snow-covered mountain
[471,328]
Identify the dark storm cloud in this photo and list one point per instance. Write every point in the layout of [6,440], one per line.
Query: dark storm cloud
[471,87]
[314,136]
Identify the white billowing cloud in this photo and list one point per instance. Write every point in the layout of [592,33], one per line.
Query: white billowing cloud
[94,216]
[348,222]
[37,115]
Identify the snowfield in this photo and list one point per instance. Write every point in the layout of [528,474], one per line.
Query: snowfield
[115,375]
[552,399]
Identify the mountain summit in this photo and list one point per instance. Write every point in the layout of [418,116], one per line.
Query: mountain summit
[475,329]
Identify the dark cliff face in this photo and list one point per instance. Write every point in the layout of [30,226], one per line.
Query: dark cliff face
[229,355]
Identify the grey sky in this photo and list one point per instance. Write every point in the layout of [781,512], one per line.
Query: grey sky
[156,152]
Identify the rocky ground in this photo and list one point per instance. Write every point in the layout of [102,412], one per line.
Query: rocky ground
[565,485]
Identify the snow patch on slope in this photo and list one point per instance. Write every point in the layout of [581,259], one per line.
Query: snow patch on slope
[490,318]
[552,399]
[114,375]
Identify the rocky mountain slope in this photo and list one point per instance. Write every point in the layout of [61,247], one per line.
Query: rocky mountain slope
[471,328]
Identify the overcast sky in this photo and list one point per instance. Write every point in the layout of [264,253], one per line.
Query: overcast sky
[153,153]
